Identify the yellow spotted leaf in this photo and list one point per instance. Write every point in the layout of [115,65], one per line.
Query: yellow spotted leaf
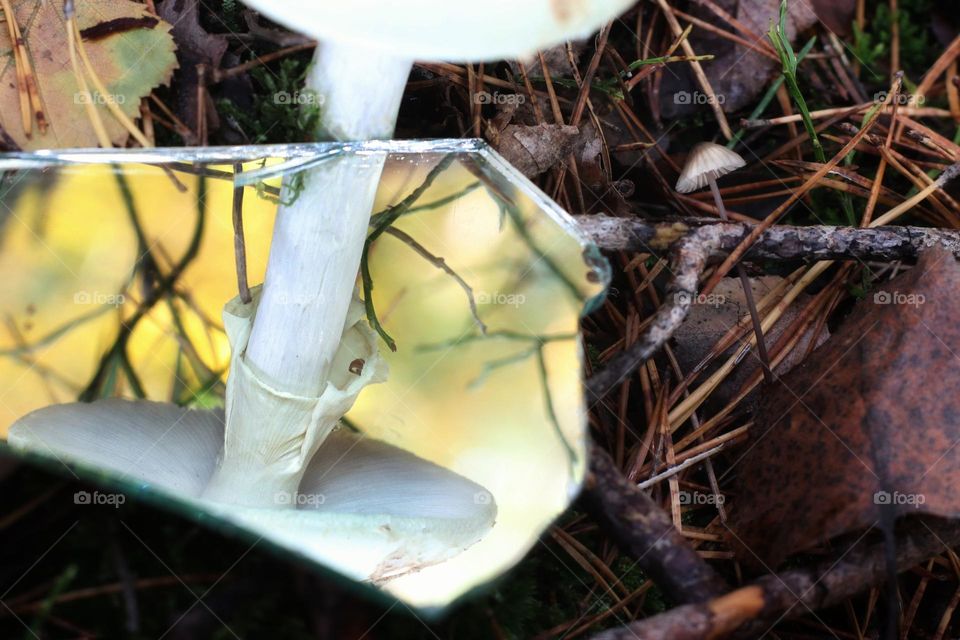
[131,51]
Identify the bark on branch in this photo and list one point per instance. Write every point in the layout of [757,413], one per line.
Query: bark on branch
[638,525]
[776,243]
[749,611]
[694,243]
[688,257]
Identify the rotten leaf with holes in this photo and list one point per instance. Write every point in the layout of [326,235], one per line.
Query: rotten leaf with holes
[125,49]
[867,427]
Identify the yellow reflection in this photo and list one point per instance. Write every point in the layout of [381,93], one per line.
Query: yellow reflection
[504,410]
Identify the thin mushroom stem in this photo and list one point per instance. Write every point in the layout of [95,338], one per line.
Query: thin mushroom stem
[747,292]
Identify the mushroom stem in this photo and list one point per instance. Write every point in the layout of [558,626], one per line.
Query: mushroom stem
[747,292]
[358,90]
[318,238]
[315,254]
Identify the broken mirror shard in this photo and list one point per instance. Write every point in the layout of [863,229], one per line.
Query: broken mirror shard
[119,281]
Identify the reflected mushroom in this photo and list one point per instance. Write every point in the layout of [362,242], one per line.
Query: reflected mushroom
[276,460]
[365,508]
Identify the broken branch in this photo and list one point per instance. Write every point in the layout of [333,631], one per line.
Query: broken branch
[750,610]
[644,531]
[692,247]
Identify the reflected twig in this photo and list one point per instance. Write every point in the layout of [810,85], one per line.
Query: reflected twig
[389,217]
[25,357]
[239,247]
[441,264]
[56,333]
[155,291]
[537,345]
[492,365]
[548,405]
[499,333]
[428,206]
[516,218]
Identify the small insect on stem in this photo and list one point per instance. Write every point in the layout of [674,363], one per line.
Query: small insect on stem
[356,367]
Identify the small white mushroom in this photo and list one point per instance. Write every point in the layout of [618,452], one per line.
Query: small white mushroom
[707,162]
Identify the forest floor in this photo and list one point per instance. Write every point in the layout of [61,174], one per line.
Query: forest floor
[637,108]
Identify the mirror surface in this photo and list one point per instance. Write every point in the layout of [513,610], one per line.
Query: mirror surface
[115,267]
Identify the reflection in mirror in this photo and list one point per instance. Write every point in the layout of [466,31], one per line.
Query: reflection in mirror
[448,429]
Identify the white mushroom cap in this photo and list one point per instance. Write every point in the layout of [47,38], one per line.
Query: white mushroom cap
[365,508]
[707,160]
[449,30]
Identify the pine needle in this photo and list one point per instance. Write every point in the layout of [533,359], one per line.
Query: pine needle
[16,42]
[91,109]
[111,104]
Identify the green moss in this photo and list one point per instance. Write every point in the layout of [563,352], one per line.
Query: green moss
[282,110]
[871,47]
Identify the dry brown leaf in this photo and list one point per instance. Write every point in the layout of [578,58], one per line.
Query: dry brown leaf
[872,418]
[538,148]
[712,316]
[131,50]
[195,46]
[836,15]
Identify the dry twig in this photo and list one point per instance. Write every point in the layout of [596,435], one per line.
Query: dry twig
[644,531]
[749,611]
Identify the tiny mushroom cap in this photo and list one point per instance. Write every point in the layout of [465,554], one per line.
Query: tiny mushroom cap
[707,161]
[449,30]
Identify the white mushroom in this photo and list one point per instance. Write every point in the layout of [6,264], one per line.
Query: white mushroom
[364,508]
[359,72]
[384,511]
[706,162]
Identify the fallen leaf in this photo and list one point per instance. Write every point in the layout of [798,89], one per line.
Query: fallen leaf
[536,149]
[131,51]
[195,46]
[871,418]
[711,317]
[589,150]
[836,15]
